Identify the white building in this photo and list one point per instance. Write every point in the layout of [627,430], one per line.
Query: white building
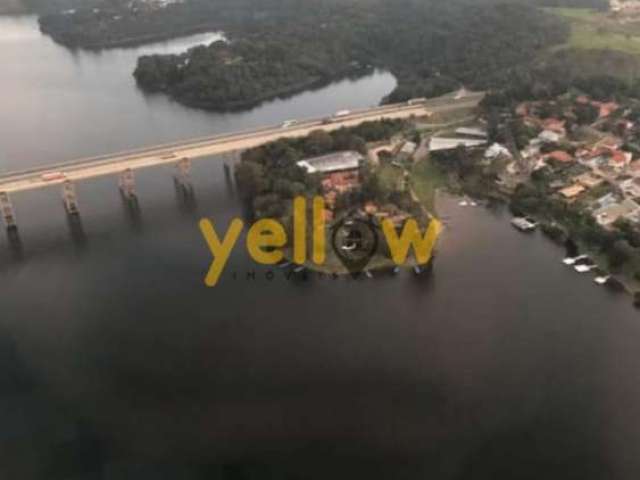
[333,162]
[496,151]
[471,132]
[441,144]
[547,136]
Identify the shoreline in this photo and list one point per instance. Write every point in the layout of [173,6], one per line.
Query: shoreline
[136,41]
[630,286]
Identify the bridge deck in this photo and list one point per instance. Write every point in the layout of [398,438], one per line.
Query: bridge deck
[216,145]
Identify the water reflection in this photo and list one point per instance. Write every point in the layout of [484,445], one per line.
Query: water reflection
[15,244]
[132,212]
[76,229]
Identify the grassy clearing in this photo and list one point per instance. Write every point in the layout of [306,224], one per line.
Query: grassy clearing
[593,30]
[588,37]
[425,180]
[576,13]
[390,177]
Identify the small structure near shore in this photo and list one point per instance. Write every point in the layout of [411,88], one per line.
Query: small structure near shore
[334,162]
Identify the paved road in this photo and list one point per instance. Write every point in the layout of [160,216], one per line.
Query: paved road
[116,163]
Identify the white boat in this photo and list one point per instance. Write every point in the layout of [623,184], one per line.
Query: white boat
[573,260]
[473,204]
[601,280]
[524,224]
[463,203]
[584,268]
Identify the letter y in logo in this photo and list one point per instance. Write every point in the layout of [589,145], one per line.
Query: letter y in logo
[220,250]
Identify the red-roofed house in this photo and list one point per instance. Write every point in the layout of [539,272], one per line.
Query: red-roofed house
[560,156]
[555,125]
[606,108]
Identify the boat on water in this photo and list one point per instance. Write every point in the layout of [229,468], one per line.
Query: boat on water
[467,202]
[584,266]
[574,260]
[524,224]
[601,277]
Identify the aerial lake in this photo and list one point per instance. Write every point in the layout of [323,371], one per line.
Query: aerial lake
[116,362]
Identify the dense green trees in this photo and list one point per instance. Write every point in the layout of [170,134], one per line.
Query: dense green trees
[280,46]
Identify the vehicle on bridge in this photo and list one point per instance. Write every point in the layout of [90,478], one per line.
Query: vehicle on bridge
[342,113]
[52,176]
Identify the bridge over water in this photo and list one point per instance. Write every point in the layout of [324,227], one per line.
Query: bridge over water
[181,154]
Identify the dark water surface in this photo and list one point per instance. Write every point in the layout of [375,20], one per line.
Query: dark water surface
[117,363]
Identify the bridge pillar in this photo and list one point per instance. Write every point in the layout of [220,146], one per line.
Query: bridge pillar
[8,213]
[69,198]
[183,174]
[127,184]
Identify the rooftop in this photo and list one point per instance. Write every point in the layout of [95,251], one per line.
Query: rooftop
[472,132]
[572,191]
[560,156]
[333,162]
[437,144]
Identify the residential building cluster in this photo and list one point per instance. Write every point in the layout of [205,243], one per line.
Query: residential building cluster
[590,164]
